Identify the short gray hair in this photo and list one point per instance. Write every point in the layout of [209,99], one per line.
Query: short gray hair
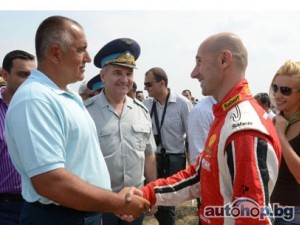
[53,31]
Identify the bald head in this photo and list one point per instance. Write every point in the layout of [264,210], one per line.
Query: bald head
[218,43]
[221,63]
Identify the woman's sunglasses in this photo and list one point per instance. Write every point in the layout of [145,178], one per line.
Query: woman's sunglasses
[286,91]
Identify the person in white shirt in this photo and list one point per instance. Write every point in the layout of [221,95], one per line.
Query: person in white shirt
[199,122]
[265,102]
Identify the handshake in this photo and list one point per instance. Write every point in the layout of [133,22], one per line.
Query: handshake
[135,205]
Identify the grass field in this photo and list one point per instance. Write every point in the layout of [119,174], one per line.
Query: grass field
[185,215]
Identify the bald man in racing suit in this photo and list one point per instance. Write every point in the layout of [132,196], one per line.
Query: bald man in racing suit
[236,173]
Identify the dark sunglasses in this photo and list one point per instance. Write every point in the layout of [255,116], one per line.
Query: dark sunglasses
[286,91]
[149,84]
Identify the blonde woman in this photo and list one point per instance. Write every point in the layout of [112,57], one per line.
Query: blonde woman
[286,94]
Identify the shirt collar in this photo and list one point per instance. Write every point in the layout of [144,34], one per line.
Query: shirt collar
[102,101]
[2,90]
[240,92]
[173,96]
[44,79]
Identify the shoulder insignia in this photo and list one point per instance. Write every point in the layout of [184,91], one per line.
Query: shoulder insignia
[139,103]
[89,101]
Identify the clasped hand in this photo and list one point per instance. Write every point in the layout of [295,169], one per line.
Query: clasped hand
[135,204]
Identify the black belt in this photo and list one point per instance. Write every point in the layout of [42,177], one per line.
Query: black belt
[61,209]
[6,197]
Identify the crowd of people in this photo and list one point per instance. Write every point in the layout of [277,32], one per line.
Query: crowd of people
[109,155]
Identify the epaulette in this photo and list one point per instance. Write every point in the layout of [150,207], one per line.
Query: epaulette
[89,101]
[139,103]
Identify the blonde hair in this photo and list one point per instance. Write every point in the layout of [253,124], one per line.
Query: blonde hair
[290,69]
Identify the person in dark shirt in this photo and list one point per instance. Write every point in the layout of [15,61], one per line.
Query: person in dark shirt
[17,66]
[286,90]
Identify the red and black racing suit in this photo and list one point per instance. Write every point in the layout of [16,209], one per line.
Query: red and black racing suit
[239,164]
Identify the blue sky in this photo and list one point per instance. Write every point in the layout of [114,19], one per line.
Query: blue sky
[170,38]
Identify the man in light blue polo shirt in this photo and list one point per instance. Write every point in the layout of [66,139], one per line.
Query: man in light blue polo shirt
[53,141]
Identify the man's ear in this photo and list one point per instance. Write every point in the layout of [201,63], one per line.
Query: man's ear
[226,57]
[4,74]
[54,53]
[102,73]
